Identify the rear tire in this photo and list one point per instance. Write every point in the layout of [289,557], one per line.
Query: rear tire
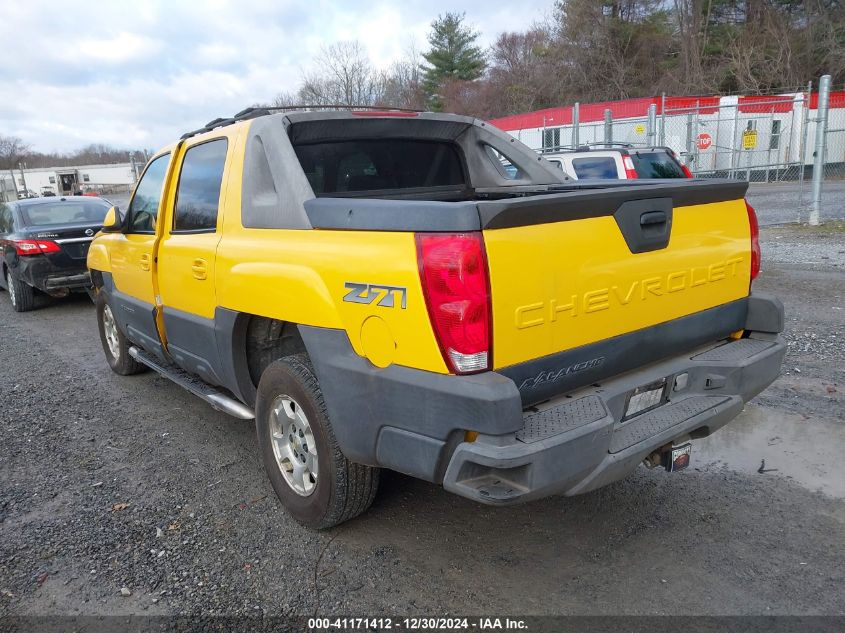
[294,436]
[21,295]
[115,344]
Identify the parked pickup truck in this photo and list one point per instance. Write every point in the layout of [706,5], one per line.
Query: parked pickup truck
[381,289]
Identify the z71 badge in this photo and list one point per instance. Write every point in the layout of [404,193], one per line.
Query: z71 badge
[384,296]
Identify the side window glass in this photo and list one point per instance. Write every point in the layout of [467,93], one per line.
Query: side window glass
[198,194]
[596,167]
[143,210]
[504,165]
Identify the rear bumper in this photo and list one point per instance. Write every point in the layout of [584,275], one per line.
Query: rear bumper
[40,273]
[578,443]
[71,281]
[415,422]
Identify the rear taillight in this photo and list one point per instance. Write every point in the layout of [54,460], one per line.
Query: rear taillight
[35,247]
[755,241]
[628,164]
[686,171]
[453,271]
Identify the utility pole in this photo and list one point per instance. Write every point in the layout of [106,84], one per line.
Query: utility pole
[652,124]
[23,178]
[819,152]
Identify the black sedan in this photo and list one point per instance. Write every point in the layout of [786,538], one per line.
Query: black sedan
[44,245]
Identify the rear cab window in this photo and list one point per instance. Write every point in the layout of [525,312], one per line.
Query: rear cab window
[656,164]
[595,167]
[349,166]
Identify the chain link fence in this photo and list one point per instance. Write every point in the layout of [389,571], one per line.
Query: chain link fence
[769,141]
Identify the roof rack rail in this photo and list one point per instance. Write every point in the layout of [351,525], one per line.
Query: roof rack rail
[256,111]
[581,147]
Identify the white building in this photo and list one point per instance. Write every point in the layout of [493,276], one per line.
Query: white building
[69,180]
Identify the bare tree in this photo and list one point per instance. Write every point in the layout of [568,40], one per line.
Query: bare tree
[402,82]
[346,77]
[611,50]
[597,50]
[523,70]
[692,18]
[285,100]
[12,150]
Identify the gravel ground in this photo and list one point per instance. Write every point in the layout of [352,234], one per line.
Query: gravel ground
[124,495]
[781,203]
[819,247]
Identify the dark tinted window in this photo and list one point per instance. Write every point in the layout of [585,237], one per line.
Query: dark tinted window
[656,165]
[70,212]
[774,139]
[143,210]
[595,167]
[198,194]
[349,166]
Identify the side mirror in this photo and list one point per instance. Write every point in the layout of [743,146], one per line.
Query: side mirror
[114,220]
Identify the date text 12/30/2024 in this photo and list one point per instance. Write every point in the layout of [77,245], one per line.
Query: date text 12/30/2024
[417,624]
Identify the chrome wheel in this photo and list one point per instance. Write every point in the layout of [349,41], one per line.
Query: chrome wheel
[110,329]
[293,445]
[11,286]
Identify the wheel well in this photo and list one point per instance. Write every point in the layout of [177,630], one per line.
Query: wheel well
[268,340]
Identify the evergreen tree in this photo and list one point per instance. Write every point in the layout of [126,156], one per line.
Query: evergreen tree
[453,56]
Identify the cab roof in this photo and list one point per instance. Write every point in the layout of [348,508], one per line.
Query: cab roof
[316,112]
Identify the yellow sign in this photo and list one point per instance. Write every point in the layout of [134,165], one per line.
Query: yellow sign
[639,128]
[749,139]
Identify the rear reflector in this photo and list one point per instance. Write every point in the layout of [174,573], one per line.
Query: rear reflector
[453,271]
[35,247]
[755,241]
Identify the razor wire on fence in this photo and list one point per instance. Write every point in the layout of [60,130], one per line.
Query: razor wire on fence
[759,139]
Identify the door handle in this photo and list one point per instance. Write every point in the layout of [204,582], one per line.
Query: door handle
[199,268]
[146,258]
[653,217]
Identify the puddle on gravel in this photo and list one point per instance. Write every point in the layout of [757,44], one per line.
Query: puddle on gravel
[810,452]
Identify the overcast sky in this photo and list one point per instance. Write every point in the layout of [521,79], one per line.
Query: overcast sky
[139,74]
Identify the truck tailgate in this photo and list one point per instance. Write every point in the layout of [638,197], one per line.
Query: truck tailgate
[573,269]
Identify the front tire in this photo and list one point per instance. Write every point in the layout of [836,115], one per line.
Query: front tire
[115,344]
[318,486]
[21,295]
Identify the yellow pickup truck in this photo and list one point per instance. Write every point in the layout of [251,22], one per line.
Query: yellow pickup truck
[422,292]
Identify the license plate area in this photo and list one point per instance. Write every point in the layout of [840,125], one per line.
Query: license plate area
[645,398]
[679,458]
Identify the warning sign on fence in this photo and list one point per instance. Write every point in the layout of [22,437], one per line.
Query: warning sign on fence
[639,128]
[749,139]
[704,141]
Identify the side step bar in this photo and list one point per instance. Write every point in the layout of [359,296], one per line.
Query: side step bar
[212,396]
